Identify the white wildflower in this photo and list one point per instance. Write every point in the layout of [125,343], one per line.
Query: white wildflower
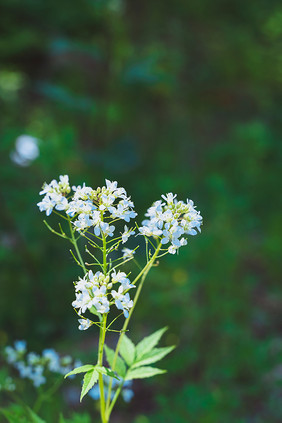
[106,229]
[121,278]
[92,291]
[172,249]
[127,253]
[83,193]
[63,185]
[83,222]
[84,324]
[87,207]
[126,234]
[47,205]
[83,301]
[122,301]
[170,220]
[50,188]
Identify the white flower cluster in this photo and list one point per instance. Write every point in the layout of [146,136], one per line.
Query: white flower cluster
[170,219]
[94,290]
[55,195]
[34,366]
[88,207]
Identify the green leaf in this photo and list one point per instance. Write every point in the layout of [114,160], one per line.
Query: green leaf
[21,414]
[148,343]
[120,367]
[143,372]
[127,350]
[12,417]
[62,420]
[81,369]
[89,380]
[105,371]
[153,356]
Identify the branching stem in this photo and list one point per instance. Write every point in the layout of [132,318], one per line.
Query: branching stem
[74,242]
[142,275]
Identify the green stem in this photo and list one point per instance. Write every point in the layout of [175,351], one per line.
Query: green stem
[104,255]
[100,363]
[143,273]
[44,396]
[38,403]
[74,242]
[102,342]
[104,321]
[118,391]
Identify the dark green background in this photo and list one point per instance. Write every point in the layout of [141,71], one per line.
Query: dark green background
[182,96]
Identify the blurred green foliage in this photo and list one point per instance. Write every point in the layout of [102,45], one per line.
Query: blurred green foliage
[161,96]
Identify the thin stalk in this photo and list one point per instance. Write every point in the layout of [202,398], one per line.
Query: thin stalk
[74,242]
[114,321]
[90,240]
[53,230]
[120,264]
[104,255]
[38,403]
[137,264]
[104,323]
[101,343]
[152,244]
[143,273]
[164,254]
[44,396]
[118,391]
[145,269]
[147,252]
[95,258]
[59,214]
[100,363]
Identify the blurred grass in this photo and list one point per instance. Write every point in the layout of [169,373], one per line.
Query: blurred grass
[182,97]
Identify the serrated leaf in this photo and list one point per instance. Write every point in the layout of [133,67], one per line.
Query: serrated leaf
[148,343]
[120,366]
[106,371]
[89,380]
[127,350]
[143,372]
[153,356]
[80,369]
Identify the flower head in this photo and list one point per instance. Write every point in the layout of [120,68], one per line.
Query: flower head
[93,290]
[170,219]
[126,234]
[127,253]
[84,324]
[87,207]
